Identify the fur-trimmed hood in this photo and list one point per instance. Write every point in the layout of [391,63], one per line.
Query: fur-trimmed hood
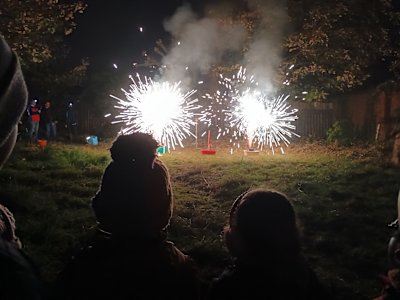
[13,92]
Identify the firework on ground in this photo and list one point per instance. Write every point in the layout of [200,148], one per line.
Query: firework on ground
[250,114]
[158,108]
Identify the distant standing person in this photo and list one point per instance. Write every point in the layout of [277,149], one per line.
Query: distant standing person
[34,120]
[71,121]
[47,117]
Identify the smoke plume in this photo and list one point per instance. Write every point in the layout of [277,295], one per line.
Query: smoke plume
[202,42]
[264,54]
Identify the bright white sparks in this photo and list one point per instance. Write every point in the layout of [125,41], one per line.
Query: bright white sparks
[265,122]
[158,108]
[249,113]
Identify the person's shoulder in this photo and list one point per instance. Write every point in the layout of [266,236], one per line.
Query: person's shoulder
[159,165]
[88,258]
[177,256]
[17,270]
[11,256]
[182,262]
[9,252]
[307,283]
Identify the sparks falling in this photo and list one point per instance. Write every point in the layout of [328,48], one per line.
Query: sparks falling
[158,108]
[251,114]
[214,115]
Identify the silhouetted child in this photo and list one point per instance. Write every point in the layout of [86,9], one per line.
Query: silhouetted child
[131,258]
[71,121]
[263,238]
[135,197]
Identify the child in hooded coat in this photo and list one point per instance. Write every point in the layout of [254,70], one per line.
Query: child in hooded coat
[131,258]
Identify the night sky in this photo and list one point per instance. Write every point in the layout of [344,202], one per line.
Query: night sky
[108,31]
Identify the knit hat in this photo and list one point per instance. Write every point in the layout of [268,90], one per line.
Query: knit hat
[137,146]
[13,92]
[135,196]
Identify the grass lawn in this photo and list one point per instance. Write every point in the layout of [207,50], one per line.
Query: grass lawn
[344,197]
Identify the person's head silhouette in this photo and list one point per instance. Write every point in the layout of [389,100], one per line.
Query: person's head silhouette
[262,227]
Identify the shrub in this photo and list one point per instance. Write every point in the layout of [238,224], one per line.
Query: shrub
[341,133]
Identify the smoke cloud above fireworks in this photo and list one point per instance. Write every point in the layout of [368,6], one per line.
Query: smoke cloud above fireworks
[202,42]
[264,54]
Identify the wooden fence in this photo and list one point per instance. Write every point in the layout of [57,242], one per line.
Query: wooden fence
[313,121]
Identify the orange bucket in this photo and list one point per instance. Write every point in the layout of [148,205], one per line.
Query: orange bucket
[42,143]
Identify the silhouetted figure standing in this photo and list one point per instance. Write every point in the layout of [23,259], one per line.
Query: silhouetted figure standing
[49,121]
[131,257]
[71,121]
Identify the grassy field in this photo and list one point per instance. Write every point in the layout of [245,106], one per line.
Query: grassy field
[344,197]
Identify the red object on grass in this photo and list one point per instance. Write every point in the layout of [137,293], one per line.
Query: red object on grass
[42,143]
[208,150]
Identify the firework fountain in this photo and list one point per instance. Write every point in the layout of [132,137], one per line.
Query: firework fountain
[158,108]
[266,122]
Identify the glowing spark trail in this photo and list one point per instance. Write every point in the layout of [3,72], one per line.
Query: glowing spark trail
[158,108]
[250,113]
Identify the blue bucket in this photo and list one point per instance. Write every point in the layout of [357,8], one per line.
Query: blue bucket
[161,150]
[92,140]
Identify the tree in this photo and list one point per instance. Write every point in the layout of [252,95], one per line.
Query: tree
[35,28]
[337,45]
[329,47]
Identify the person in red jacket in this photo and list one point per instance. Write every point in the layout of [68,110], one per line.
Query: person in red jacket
[34,120]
